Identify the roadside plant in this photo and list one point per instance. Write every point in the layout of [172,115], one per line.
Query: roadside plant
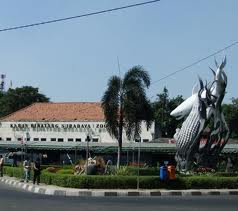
[122,171]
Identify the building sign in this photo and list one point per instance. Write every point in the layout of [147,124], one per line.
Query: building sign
[56,127]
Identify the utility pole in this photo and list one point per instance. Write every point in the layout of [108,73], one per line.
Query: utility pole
[87,150]
[26,139]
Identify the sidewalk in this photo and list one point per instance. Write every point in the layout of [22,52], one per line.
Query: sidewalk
[60,191]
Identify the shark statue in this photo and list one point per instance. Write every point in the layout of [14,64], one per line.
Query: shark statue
[220,80]
[204,104]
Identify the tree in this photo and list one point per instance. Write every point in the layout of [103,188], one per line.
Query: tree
[15,99]
[164,123]
[231,116]
[126,105]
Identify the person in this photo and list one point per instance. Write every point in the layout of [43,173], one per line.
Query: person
[229,165]
[14,157]
[1,165]
[36,169]
[27,168]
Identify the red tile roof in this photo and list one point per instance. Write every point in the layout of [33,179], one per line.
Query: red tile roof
[81,111]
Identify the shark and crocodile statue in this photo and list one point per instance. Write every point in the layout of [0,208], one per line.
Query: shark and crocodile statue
[202,110]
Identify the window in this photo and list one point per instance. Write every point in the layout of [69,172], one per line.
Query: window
[8,139]
[60,140]
[145,140]
[36,139]
[95,139]
[28,139]
[53,139]
[43,139]
[19,139]
[78,139]
[70,139]
[0,138]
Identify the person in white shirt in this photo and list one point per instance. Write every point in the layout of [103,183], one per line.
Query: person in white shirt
[27,168]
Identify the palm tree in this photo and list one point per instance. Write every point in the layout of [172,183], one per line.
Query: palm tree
[125,105]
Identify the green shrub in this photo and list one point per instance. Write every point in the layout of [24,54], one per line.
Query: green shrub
[13,171]
[46,177]
[151,182]
[143,171]
[128,182]
[226,174]
[110,182]
[94,181]
[212,182]
[65,171]
[68,166]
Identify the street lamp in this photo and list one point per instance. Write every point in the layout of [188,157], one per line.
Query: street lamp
[75,155]
[89,137]
[26,139]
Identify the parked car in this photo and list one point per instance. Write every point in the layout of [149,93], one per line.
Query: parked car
[8,161]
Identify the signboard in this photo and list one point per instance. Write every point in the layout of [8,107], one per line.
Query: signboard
[59,127]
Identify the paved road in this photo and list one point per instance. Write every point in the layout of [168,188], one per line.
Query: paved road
[16,199]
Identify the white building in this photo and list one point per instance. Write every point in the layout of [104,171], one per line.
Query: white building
[60,122]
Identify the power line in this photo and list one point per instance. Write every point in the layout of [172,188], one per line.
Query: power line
[77,16]
[196,62]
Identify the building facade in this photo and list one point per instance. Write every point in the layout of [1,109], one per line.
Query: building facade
[61,122]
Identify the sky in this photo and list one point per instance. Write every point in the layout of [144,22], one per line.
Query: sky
[72,61]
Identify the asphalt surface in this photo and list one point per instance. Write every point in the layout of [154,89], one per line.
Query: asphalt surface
[12,198]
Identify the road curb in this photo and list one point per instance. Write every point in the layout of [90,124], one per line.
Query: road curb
[58,191]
